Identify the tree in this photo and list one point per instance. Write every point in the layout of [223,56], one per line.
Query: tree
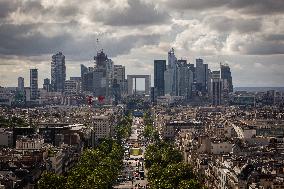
[166,169]
[190,184]
[51,180]
[169,176]
[147,118]
[12,122]
[148,132]
[123,129]
[97,168]
[161,153]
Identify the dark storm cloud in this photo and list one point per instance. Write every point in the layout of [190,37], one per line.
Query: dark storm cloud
[6,7]
[138,13]
[275,37]
[265,49]
[196,4]
[26,40]
[31,6]
[246,6]
[258,6]
[118,46]
[225,24]
[58,13]
[261,45]
[84,48]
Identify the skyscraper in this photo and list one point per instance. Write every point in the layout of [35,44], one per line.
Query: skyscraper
[217,91]
[159,80]
[215,75]
[226,74]
[201,74]
[172,59]
[58,72]
[84,70]
[119,76]
[21,84]
[71,87]
[88,81]
[34,84]
[170,76]
[46,84]
[184,79]
[103,75]
[100,83]
[86,78]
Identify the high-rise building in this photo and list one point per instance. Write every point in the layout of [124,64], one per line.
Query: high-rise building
[21,84]
[119,77]
[159,80]
[172,60]
[192,69]
[184,79]
[86,78]
[226,74]
[209,78]
[153,95]
[20,95]
[215,75]
[33,84]
[78,80]
[201,73]
[46,84]
[71,87]
[58,72]
[103,75]
[169,80]
[171,74]
[84,70]
[116,91]
[88,81]
[100,82]
[217,91]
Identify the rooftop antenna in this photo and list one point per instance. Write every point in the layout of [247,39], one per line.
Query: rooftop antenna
[97,45]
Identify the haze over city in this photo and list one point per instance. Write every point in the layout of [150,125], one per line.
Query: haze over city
[247,35]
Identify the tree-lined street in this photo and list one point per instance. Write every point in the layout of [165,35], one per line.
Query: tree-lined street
[133,174]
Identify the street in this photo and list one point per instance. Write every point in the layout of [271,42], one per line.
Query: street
[133,174]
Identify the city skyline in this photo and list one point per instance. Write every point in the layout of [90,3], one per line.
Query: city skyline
[142,94]
[251,43]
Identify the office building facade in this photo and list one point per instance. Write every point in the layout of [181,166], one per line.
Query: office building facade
[159,80]
[217,88]
[184,79]
[201,75]
[21,84]
[226,74]
[171,74]
[46,85]
[33,84]
[119,78]
[58,72]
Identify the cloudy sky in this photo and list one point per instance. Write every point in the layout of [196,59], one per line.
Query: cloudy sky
[246,34]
